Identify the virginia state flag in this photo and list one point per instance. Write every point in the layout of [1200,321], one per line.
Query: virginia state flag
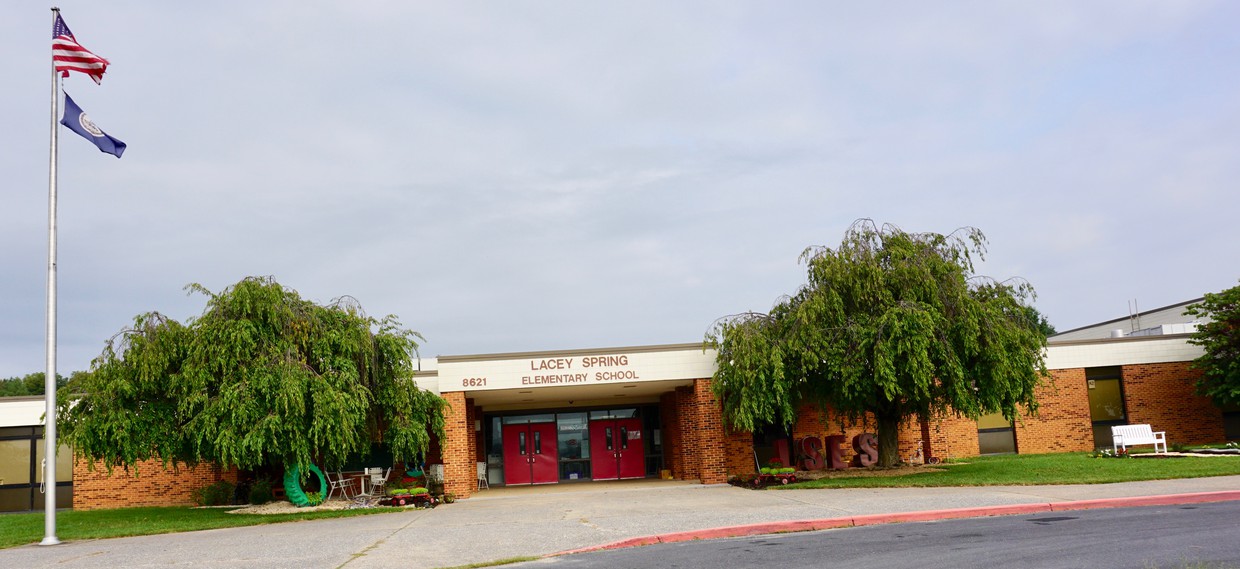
[78,122]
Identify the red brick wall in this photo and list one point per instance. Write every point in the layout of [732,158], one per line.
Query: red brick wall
[1164,397]
[951,436]
[670,411]
[153,485]
[479,445]
[695,445]
[813,421]
[685,420]
[1062,423]
[738,453]
[708,423]
[1161,395]
[150,484]
[457,448]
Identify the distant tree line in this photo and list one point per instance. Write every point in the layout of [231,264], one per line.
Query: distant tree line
[29,384]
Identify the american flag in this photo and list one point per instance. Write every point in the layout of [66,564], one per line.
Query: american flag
[68,55]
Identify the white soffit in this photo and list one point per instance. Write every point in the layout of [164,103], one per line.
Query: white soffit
[22,411]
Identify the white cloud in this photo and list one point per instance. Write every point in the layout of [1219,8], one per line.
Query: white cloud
[536,175]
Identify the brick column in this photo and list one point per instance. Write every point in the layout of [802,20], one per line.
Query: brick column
[712,464]
[669,419]
[739,453]
[457,448]
[686,420]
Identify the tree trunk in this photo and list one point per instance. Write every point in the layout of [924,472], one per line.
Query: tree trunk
[888,440]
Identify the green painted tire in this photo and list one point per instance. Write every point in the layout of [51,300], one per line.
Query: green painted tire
[292,486]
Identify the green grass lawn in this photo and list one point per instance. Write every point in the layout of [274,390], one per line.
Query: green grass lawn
[20,529]
[1069,468]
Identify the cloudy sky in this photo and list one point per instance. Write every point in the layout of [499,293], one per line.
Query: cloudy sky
[512,176]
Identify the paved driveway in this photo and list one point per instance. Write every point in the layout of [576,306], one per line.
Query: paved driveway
[510,522]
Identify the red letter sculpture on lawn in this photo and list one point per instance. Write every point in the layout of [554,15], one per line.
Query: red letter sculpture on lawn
[835,455]
[811,450]
[867,449]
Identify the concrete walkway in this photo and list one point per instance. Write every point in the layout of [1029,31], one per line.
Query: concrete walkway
[511,522]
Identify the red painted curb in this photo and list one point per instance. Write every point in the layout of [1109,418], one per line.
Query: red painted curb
[1165,500]
[832,523]
[739,531]
[923,516]
[931,515]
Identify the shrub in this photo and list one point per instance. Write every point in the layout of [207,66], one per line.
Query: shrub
[314,498]
[260,491]
[216,494]
[743,480]
[241,494]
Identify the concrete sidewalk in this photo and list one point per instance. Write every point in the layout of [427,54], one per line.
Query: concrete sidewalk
[511,522]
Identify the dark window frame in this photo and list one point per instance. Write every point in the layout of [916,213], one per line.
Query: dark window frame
[34,434]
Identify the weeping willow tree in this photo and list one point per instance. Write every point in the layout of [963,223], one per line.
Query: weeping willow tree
[261,378]
[891,325]
[1219,337]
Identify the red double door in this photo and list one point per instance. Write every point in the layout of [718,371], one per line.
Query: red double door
[530,454]
[617,449]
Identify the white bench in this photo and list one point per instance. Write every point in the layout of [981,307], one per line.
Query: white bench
[1124,436]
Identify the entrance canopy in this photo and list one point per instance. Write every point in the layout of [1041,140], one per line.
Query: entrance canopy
[573,415]
[572,378]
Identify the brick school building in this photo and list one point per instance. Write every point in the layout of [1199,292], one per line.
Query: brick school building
[583,415]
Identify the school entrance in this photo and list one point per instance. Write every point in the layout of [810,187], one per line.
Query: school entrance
[564,417]
[616,449]
[553,447]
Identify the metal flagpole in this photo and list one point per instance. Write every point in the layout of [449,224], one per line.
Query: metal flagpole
[49,423]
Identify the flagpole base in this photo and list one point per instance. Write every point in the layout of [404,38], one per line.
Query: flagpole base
[50,540]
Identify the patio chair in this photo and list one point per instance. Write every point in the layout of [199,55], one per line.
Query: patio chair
[342,483]
[482,476]
[434,473]
[378,479]
[434,478]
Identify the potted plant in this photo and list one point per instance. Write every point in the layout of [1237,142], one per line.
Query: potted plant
[775,472]
[406,496]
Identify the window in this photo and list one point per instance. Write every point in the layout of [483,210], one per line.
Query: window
[21,455]
[1231,422]
[995,435]
[1106,402]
